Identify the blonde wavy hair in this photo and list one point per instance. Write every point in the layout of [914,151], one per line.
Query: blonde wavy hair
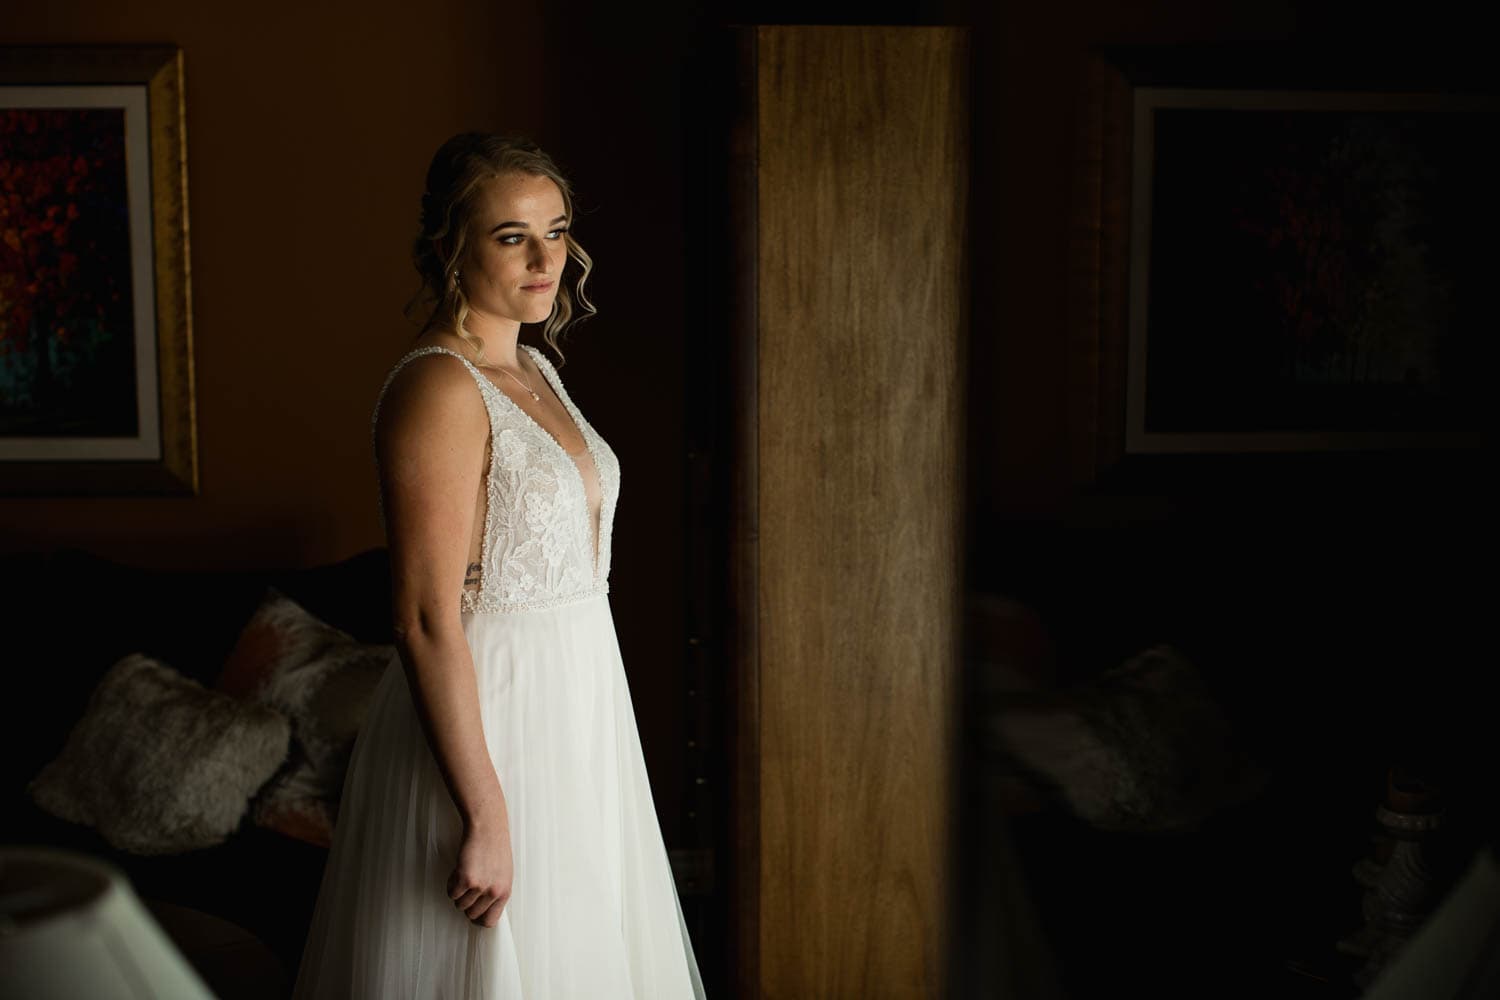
[458,169]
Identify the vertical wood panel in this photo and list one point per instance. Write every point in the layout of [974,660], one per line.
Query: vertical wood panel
[863,156]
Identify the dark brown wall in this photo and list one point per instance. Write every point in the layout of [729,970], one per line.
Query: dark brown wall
[308,130]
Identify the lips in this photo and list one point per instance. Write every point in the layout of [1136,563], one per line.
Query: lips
[540,286]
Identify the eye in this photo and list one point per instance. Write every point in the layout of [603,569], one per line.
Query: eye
[513,239]
[557,234]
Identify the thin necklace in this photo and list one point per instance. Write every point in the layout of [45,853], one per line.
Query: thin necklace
[514,378]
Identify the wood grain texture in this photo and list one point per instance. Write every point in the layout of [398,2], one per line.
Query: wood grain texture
[863,153]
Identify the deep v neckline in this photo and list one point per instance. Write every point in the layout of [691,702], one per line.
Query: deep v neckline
[593,522]
[556,391]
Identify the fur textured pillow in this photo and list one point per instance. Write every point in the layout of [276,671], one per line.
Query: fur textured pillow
[322,680]
[159,764]
[1142,747]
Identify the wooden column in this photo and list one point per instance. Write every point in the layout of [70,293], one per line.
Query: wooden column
[851,541]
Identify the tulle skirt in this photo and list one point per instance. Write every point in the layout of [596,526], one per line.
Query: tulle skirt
[593,912]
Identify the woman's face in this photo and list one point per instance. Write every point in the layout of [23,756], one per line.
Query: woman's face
[515,252]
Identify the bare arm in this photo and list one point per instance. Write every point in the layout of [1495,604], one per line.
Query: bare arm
[430,442]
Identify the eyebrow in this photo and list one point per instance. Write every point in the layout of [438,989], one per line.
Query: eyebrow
[522,225]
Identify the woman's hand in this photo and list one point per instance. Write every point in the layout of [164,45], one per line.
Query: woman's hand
[480,883]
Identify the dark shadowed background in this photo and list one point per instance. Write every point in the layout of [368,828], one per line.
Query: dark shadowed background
[1332,592]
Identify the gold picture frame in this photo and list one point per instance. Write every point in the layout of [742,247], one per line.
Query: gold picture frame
[137,91]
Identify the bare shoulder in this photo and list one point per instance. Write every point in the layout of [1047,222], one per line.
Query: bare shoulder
[435,391]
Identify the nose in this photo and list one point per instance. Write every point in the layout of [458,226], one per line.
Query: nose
[540,258]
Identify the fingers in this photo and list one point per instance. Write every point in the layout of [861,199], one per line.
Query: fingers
[485,910]
[482,906]
[490,915]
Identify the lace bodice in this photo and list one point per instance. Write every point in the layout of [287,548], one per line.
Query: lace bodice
[538,548]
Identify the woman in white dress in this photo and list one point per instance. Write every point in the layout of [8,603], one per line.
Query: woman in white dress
[496,835]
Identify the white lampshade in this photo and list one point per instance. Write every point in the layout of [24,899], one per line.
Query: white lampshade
[1454,955]
[71,926]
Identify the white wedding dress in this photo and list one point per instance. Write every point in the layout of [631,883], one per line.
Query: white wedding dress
[593,912]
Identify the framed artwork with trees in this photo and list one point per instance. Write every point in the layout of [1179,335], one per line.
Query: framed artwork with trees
[96,362]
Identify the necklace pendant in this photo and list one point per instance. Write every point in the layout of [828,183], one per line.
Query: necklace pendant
[535,397]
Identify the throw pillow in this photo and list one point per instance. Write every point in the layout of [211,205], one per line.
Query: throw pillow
[1142,747]
[322,680]
[159,764]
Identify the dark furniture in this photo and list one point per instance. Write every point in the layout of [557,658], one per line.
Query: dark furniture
[69,616]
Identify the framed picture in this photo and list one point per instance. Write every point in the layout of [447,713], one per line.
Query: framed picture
[96,361]
[1282,270]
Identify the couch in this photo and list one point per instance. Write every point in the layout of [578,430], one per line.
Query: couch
[238,909]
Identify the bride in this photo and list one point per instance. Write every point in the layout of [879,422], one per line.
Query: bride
[496,835]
